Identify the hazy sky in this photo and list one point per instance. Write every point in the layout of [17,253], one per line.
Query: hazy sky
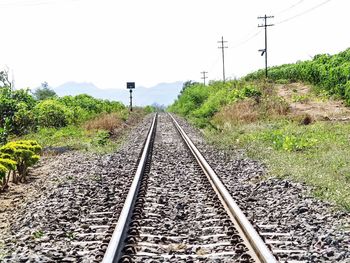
[109,42]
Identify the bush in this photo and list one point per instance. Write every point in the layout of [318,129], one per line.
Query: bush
[190,99]
[23,120]
[15,108]
[84,107]
[200,103]
[18,156]
[6,166]
[101,138]
[51,113]
[327,73]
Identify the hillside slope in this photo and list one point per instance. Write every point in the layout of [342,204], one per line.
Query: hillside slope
[328,73]
[302,100]
[298,129]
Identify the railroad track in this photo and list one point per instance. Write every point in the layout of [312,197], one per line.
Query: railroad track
[173,210]
[177,209]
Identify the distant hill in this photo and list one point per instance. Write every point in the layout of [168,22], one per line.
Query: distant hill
[162,93]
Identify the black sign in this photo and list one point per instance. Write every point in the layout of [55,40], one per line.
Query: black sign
[130,85]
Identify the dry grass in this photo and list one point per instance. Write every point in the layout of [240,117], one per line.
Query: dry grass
[108,122]
[245,111]
[251,110]
[273,106]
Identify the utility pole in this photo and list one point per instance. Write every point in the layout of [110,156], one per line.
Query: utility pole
[223,57]
[204,76]
[264,51]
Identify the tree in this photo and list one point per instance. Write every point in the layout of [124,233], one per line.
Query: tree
[15,108]
[4,79]
[188,84]
[44,92]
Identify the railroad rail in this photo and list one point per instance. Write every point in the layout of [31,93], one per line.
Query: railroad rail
[245,243]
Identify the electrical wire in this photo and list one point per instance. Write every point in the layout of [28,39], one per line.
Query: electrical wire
[33,3]
[290,7]
[303,13]
[256,33]
[241,43]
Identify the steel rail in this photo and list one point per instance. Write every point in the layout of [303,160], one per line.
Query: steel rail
[259,247]
[115,246]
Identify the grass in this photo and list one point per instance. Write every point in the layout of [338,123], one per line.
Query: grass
[102,134]
[108,122]
[316,154]
[75,138]
[292,145]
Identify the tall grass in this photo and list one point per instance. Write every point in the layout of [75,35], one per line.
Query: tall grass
[108,122]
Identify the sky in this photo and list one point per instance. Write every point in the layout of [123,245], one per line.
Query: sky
[110,42]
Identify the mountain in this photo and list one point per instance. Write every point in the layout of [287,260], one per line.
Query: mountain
[162,93]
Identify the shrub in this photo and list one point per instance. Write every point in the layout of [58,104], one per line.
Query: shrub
[51,113]
[24,153]
[191,98]
[328,73]
[200,103]
[23,120]
[15,108]
[84,107]
[101,138]
[6,166]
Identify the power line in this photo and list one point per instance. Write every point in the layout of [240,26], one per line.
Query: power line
[303,13]
[222,47]
[250,37]
[264,51]
[290,7]
[34,3]
[204,76]
[254,33]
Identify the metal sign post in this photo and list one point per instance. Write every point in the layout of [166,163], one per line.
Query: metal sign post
[130,86]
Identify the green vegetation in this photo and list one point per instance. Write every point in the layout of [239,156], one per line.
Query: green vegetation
[327,73]
[29,123]
[15,159]
[21,113]
[315,154]
[199,103]
[45,114]
[44,92]
[249,114]
[38,234]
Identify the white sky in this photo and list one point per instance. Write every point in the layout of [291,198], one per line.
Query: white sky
[109,42]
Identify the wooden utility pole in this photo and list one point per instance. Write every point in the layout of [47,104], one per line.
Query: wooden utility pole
[264,51]
[222,47]
[204,76]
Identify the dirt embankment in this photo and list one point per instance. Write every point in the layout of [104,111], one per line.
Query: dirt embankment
[303,101]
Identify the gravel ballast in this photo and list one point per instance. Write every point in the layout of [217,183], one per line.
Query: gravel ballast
[315,227]
[182,218]
[65,221]
[82,192]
